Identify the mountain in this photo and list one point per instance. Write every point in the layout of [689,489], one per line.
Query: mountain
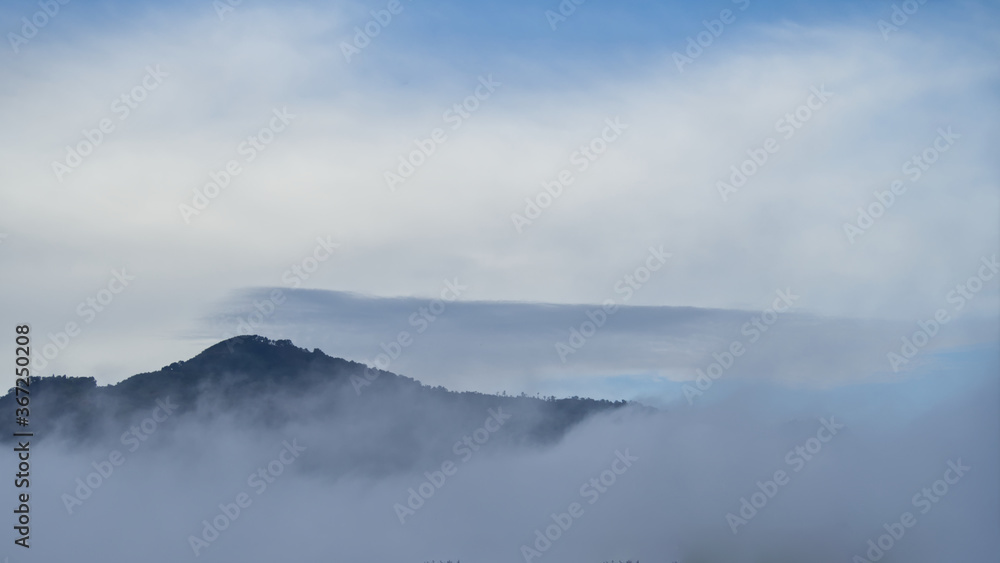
[262,385]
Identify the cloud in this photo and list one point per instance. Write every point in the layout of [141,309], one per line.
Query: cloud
[874,449]
[324,176]
[507,346]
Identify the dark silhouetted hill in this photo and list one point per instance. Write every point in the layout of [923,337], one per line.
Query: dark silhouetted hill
[264,384]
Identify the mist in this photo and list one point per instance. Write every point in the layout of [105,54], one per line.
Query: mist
[342,479]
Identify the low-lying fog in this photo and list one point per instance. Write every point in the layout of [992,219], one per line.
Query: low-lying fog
[767,474]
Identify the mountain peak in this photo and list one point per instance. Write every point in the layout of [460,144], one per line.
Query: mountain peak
[273,382]
[251,352]
[250,342]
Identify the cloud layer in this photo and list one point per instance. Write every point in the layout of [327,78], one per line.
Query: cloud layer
[324,174]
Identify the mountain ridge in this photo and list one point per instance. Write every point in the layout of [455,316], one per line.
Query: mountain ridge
[273,383]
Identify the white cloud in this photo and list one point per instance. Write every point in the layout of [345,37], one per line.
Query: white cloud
[324,175]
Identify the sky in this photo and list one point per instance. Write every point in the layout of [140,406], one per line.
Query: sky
[352,180]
